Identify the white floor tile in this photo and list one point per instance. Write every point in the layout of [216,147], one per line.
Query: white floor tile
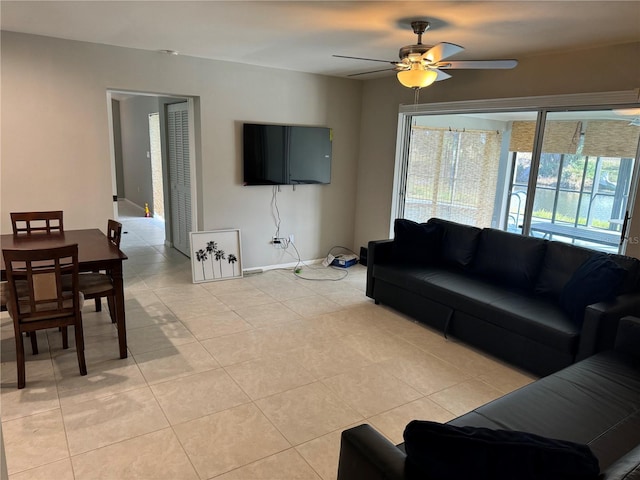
[240,379]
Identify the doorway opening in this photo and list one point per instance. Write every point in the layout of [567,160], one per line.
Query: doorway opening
[143,168]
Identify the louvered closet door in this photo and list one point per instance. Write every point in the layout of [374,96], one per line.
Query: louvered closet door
[180,175]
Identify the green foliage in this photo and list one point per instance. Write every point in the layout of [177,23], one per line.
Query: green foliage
[543,214]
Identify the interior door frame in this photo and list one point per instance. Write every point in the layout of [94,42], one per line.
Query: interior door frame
[193,156]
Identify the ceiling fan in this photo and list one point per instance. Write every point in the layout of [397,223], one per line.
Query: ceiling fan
[420,65]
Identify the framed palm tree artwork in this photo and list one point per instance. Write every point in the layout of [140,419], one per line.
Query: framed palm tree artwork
[215,255]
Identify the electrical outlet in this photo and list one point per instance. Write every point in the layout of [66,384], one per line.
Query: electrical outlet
[280,242]
[291,238]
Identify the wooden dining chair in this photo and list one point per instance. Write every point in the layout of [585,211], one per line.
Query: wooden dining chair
[46,303]
[4,296]
[28,223]
[97,285]
[37,222]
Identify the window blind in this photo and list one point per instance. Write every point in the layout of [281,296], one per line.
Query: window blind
[559,136]
[452,174]
[611,138]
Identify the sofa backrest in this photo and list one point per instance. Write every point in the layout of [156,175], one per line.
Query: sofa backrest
[523,262]
[561,260]
[632,266]
[509,258]
[459,242]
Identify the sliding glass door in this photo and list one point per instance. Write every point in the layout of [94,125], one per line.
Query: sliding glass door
[563,174]
[584,166]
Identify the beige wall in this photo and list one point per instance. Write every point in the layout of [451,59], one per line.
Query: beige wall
[56,153]
[586,71]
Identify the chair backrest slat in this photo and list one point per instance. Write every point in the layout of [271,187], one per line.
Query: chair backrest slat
[37,222]
[114,232]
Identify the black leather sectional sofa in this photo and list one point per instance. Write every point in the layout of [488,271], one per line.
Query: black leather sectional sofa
[594,402]
[540,305]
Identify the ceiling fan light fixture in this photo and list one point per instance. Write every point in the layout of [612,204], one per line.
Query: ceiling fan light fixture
[417,76]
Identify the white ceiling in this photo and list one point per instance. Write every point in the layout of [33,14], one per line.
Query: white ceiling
[302,35]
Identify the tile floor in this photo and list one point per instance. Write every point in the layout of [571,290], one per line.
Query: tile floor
[252,378]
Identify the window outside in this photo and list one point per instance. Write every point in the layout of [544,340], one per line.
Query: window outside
[475,169]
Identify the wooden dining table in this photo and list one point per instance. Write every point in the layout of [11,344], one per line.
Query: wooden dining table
[95,252]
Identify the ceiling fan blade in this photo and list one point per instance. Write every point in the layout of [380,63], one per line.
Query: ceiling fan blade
[441,75]
[442,50]
[478,64]
[371,71]
[367,59]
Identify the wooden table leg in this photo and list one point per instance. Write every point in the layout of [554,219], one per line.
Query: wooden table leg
[118,285]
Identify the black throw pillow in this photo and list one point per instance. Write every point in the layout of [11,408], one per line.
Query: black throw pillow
[598,279]
[415,243]
[447,452]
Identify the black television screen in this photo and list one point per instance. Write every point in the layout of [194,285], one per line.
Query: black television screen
[286,154]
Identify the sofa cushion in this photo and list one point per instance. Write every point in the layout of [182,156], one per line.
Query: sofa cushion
[408,277]
[459,242]
[559,263]
[508,258]
[524,314]
[595,402]
[598,279]
[534,318]
[632,266]
[448,452]
[415,243]
[561,260]
[538,320]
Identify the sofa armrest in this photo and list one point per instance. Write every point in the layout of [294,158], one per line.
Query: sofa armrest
[365,453]
[601,320]
[625,468]
[378,251]
[628,337]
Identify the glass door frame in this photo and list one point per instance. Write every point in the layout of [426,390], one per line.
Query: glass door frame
[542,105]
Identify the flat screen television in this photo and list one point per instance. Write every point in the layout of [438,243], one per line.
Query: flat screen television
[286,154]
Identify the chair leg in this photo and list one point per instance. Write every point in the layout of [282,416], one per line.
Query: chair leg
[34,343]
[98,304]
[112,308]
[80,347]
[20,359]
[65,337]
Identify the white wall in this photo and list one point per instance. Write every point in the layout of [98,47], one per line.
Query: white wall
[616,68]
[56,153]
